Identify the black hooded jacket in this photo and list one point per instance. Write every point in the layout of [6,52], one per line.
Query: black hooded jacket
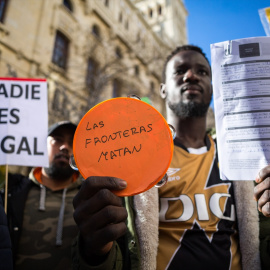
[18,188]
[5,243]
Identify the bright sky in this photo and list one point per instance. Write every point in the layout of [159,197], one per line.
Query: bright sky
[212,21]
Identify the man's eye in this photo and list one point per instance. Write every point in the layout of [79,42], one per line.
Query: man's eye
[179,71]
[202,72]
[56,140]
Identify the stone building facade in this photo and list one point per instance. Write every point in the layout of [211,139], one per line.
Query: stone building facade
[90,50]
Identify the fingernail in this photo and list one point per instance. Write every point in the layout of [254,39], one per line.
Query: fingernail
[257,180]
[122,183]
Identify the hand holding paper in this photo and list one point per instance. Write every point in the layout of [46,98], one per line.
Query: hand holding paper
[262,191]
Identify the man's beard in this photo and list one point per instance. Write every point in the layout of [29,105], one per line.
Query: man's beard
[57,172]
[190,109]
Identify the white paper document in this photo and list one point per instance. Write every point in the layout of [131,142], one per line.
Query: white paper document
[241,85]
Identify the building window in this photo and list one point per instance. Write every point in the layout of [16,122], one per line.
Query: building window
[120,19]
[107,2]
[92,71]
[3,7]
[96,31]
[118,52]
[60,51]
[159,9]
[126,24]
[137,70]
[56,100]
[68,5]
[150,12]
[116,88]
[152,87]
[138,38]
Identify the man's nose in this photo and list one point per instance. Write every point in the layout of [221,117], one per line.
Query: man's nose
[190,76]
[65,147]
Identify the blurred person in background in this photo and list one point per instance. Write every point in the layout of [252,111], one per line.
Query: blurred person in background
[5,243]
[39,207]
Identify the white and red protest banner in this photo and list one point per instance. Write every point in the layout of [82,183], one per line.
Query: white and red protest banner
[23,122]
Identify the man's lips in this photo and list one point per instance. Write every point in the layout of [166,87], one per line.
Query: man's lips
[62,158]
[191,89]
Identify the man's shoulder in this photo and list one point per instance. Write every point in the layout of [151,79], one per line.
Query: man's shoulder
[16,177]
[18,181]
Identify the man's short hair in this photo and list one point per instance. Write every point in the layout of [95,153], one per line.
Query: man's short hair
[179,49]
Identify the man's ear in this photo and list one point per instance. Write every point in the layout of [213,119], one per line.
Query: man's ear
[163,92]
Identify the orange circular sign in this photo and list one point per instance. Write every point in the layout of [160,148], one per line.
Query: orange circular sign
[124,138]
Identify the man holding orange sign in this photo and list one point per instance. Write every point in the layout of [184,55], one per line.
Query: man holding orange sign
[190,222]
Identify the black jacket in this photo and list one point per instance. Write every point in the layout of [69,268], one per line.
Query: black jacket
[5,243]
[18,188]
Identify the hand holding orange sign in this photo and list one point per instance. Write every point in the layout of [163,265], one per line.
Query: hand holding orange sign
[124,138]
